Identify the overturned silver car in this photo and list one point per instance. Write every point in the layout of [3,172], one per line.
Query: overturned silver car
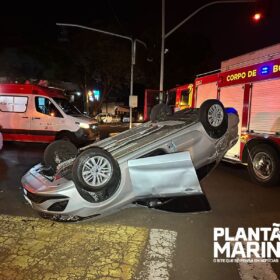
[160,159]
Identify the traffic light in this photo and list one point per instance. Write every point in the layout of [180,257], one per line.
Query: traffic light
[257,17]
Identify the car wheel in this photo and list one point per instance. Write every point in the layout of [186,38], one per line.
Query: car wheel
[66,136]
[213,117]
[264,165]
[94,170]
[160,112]
[59,151]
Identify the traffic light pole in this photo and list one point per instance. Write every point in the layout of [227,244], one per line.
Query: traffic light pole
[133,53]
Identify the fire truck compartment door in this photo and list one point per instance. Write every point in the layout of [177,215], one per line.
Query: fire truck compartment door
[233,96]
[204,92]
[265,107]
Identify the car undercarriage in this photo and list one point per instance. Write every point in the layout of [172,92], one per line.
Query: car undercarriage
[154,162]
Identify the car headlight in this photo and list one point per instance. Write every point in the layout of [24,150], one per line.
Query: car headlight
[94,127]
[84,125]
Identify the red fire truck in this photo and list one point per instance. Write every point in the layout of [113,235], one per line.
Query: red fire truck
[178,98]
[251,84]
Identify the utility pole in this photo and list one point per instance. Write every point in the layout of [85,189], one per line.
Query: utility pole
[162,46]
[164,36]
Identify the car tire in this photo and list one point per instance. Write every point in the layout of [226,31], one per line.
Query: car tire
[59,151]
[213,117]
[66,136]
[96,170]
[264,165]
[160,112]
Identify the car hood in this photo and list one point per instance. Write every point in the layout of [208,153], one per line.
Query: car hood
[84,119]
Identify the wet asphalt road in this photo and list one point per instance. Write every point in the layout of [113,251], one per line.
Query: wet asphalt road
[235,202]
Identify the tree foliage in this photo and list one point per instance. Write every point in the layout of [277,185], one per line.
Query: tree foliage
[99,61]
[90,60]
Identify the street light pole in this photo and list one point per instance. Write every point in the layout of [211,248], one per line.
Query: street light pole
[164,36]
[133,53]
[162,47]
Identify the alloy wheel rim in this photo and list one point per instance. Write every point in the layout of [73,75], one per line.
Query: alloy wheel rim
[97,171]
[215,115]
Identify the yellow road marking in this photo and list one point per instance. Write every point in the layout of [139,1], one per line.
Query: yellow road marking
[32,248]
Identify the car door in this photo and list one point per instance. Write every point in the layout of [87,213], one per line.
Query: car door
[46,118]
[164,176]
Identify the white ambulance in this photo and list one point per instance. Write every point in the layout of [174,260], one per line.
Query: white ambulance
[31,113]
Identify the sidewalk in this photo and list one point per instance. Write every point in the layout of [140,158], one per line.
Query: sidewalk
[32,248]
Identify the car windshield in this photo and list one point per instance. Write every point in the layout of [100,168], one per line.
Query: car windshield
[67,107]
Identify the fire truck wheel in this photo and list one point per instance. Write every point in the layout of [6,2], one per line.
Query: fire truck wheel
[160,112]
[57,152]
[95,169]
[264,165]
[213,117]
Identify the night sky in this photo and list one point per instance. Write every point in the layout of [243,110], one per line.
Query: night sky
[227,28]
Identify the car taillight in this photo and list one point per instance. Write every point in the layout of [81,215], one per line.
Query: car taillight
[57,176]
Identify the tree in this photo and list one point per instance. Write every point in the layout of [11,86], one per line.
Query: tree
[17,64]
[100,61]
[33,61]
